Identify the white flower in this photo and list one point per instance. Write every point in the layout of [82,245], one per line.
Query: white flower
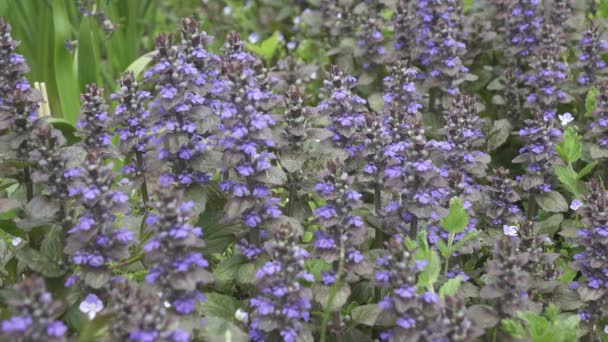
[227,10]
[91,305]
[254,37]
[16,241]
[241,315]
[510,230]
[575,204]
[565,118]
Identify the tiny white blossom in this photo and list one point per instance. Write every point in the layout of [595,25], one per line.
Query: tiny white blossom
[241,315]
[565,118]
[227,10]
[91,305]
[575,204]
[510,230]
[254,37]
[16,241]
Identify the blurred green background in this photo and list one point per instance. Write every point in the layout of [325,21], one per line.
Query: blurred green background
[69,43]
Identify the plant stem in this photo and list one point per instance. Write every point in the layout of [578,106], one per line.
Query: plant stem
[332,295]
[144,186]
[29,186]
[531,205]
[292,195]
[449,253]
[414,228]
[379,239]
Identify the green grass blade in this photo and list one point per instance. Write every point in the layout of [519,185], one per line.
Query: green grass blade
[66,81]
[88,55]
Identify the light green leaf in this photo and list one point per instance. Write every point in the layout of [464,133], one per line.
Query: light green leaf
[267,48]
[552,202]
[365,314]
[88,56]
[450,287]
[587,169]
[456,220]
[430,274]
[570,148]
[590,101]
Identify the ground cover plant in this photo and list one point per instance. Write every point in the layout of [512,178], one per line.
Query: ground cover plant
[379,170]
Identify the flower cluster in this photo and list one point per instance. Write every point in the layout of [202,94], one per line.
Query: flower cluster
[345,110]
[420,188]
[591,261]
[50,160]
[524,25]
[34,313]
[183,77]
[540,136]
[599,127]
[244,101]
[402,28]
[387,135]
[14,67]
[546,80]
[422,316]
[283,303]
[342,230]
[438,41]
[509,283]
[295,144]
[590,64]
[370,40]
[140,315]
[177,266]
[501,199]
[131,119]
[93,241]
[93,124]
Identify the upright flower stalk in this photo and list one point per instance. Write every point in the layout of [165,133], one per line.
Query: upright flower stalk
[93,242]
[181,114]
[131,118]
[34,313]
[283,303]
[243,105]
[177,267]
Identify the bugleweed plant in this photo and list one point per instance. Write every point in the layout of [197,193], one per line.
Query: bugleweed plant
[301,171]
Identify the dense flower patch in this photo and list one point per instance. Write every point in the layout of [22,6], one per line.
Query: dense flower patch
[428,170]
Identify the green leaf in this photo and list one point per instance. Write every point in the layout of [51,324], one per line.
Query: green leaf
[587,169]
[552,202]
[468,236]
[322,293]
[228,269]
[456,220]
[443,248]
[499,134]
[570,148]
[568,177]
[219,305]
[450,287]
[513,328]
[65,79]
[66,128]
[267,48]
[217,329]
[51,244]
[316,267]
[590,101]
[365,314]
[430,274]
[39,263]
[139,65]
[88,56]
